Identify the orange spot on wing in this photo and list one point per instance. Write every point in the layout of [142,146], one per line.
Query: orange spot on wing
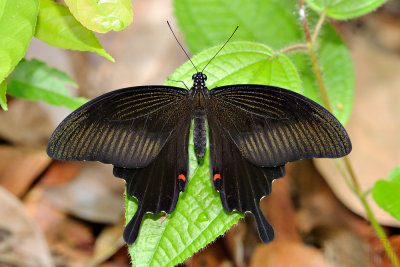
[217,176]
[182,177]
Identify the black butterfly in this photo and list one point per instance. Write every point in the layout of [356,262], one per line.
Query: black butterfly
[254,131]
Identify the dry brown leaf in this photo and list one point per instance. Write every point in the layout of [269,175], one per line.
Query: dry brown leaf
[71,241]
[287,254]
[94,195]
[108,243]
[25,123]
[342,247]
[214,255]
[279,208]
[21,241]
[19,167]
[60,173]
[318,206]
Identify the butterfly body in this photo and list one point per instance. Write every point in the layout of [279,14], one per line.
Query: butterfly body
[253,131]
[199,94]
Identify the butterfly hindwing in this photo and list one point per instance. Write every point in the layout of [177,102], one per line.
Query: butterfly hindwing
[157,186]
[240,183]
[127,127]
[272,126]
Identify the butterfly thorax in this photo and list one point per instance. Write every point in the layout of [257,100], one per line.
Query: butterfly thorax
[199,94]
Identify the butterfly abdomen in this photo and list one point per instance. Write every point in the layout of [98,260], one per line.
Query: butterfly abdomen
[199,132]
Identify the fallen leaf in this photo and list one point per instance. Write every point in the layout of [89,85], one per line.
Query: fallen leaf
[94,195]
[22,242]
[71,241]
[20,166]
[287,254]
[108,242]
[25,124]
[60,173]
[214,255]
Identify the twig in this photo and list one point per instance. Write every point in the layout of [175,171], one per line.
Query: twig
[357,189]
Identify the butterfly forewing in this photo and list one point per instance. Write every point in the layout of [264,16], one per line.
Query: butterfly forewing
[272,126]
[127,127]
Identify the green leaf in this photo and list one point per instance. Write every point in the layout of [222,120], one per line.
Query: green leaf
[199,216]
[57,27]
[386,193]
[3,98]
[102,16]
[277,24]
[34,80]
[344,9]
[17,27]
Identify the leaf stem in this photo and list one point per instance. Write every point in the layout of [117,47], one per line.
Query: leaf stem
[356,186]
[318,27]
[293,48]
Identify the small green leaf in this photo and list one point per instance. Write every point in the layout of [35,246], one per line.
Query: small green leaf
[102,16]
[199,217]
[34,80]
[394,175]
[344,9]
[57,27]
[386,193]
[3,98]
[17,27]
[277,24]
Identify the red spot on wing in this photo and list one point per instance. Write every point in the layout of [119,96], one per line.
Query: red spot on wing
[182,177]
[216,176]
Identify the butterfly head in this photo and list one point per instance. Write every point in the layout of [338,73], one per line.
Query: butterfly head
[199,79]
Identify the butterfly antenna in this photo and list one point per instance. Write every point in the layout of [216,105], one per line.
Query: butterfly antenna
[181,46]
[220,48]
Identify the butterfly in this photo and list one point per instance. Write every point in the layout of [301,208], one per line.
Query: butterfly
[253,131]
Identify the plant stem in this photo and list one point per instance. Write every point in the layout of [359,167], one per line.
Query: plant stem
[356,186]
[343,171]
[318,74]
[377,227]
[313,55]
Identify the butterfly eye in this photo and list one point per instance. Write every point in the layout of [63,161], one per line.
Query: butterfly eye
[204,77]
[194,76]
